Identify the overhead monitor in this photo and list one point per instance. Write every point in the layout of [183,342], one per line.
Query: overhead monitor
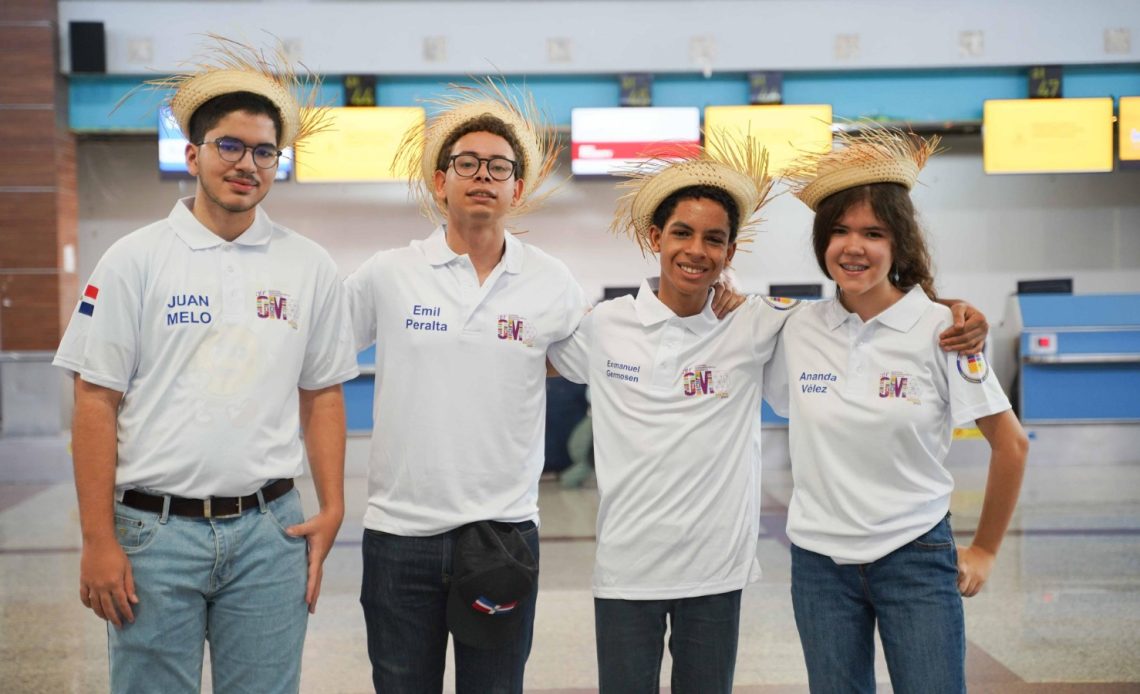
[796,291]
[1047,135]
[359,145]
[785,130]
[172,150]
[614,292]
[1058,285]
[1129,127]
[609,140]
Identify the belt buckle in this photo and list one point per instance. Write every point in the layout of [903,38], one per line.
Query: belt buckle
[207,509]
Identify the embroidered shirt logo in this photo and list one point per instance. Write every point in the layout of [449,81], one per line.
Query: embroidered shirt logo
[515,328]
[704,380]
[87,305]
[488,606]
[273,304]
[780,303]
[973,367]
[896,384]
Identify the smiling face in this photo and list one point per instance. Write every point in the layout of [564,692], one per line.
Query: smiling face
[478,199]
[694,247]
[859,257]
[232,188]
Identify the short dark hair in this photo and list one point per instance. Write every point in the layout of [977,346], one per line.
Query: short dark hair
[891,204]
[718,195]
[485,123]
[209,113]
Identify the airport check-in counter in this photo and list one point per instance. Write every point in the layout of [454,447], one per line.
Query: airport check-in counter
[1079,358]
[1075,375]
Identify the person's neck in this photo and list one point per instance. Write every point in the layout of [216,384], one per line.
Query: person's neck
[684,305]
[870,304]
[484,244]
[227,225]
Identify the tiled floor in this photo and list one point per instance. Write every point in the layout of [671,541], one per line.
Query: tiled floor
[1061,612]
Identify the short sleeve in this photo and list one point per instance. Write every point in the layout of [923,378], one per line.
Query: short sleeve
[574,307]
[329,356]
[776,378]
[361,296]
[769,316]
[571,356]
[101,343]
[973,387]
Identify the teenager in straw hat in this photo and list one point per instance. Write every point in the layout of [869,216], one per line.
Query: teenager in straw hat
[872,403]
[462,321]
[202,344]
[676,394]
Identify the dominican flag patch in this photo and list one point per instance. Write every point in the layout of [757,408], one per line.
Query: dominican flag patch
[490,607]
[87,305]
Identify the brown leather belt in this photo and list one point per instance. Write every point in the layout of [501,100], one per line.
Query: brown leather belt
[214,507]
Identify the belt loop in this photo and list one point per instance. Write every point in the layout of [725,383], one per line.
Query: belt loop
[162,518]
[261,502]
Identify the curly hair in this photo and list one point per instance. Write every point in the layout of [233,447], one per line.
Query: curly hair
[891,204]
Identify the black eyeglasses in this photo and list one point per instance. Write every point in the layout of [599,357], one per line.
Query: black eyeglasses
[232,150]
[467,165]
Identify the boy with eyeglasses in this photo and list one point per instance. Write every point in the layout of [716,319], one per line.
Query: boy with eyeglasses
[202,344]
[461,321]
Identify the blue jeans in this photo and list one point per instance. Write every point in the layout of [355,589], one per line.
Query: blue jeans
[913,595]
[703,633]
[404,596]
[237,582]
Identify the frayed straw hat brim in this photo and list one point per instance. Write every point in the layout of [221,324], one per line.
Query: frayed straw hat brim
[199,89]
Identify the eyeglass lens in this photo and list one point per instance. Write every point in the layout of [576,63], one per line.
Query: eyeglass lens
[467,165]
[232,150]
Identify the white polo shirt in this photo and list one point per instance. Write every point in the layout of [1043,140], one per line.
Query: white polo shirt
[208,341]
[872,407]
[676,417]
[460,407]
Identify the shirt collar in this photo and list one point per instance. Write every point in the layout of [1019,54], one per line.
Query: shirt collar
[651,311]
[198,237]
[439,253]
[900,316]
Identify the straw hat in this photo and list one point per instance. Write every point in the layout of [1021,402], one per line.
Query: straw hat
[419,151]
[230,66]
[736,165]
[876,155]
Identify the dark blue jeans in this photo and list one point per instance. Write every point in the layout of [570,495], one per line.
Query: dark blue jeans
[913,595]
[703,633]
[404,595]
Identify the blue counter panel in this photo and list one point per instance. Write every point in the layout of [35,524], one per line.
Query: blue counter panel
[358,403]
[1088,341]
[1080,392]
[769,416]
[1083,310]
[913,95]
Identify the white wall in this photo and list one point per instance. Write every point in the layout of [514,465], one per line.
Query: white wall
[610,36]
[986,232]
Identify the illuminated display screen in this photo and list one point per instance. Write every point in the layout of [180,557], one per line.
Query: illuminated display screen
[1129,123]
[609,140]
[1047,135]
[172,150]
[785,130]
[360,145]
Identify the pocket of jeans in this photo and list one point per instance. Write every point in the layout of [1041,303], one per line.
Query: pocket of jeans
[940,537]
[134,534]
[286,512]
